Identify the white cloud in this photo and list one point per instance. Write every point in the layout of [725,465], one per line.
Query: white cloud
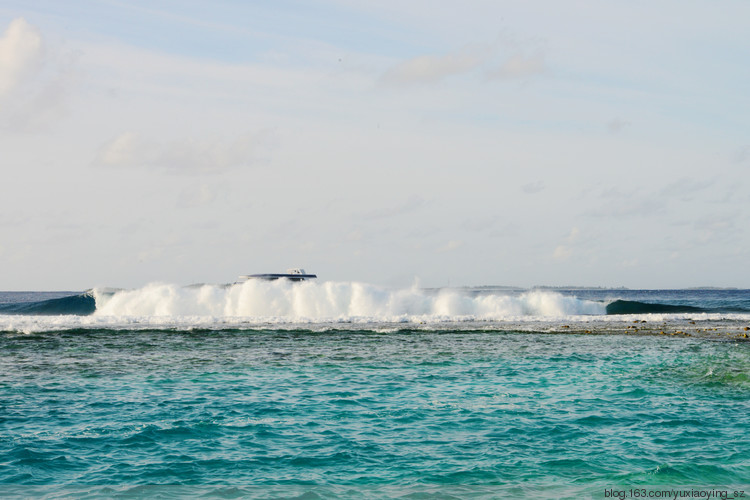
[130,150]
[196,197]
[562,252]
[685,186]
[480,223]
[20,55]
[617,125]
[432,68]
[533,187]
[565,251]
[450,246]
[713,228]
[126,149]
[412,204]
[35,79]
[520,66]
[742,154]
[636,202]
[501,59]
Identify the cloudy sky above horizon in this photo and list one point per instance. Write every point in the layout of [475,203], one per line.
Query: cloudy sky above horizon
[454,143]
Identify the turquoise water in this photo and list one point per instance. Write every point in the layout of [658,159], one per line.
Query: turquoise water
[364,413]
[348,390]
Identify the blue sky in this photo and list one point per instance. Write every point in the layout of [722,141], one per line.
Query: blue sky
[517,143]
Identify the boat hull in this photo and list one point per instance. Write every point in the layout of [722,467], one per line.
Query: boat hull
[276,276]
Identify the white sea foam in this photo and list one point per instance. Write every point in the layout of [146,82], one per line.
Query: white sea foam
[321,306]
[327,301]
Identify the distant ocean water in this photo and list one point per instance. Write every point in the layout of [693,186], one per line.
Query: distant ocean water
[319,390]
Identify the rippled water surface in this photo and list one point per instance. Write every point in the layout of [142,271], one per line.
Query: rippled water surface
[362,411]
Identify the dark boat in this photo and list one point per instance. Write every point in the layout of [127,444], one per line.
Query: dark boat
[290,274]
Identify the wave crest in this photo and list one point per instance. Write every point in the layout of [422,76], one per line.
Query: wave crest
[312,301]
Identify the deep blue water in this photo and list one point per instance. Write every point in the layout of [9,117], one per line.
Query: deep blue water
[468,409]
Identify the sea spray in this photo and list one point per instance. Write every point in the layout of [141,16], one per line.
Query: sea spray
[323,306]
[310,301]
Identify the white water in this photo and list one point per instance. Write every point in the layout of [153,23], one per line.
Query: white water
[321,306]
[335,301]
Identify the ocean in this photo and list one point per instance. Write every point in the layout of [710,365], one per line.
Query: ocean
[348,390]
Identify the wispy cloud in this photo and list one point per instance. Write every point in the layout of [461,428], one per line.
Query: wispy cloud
[450,246]
[411,204]
[564,251]
[641,206]
[34,79]
[433,68]
[196,197]
[519,66]
[616,125]
[131,150]
[619,203]
[741,155]
[500,60]
[533,187]
[715,227]
[481,223]
[685,188]
[20,55]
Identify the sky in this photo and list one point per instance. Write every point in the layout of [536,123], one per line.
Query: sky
[484,142]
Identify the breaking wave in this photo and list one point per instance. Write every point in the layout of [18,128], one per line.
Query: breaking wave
[257,304]
[311,301]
